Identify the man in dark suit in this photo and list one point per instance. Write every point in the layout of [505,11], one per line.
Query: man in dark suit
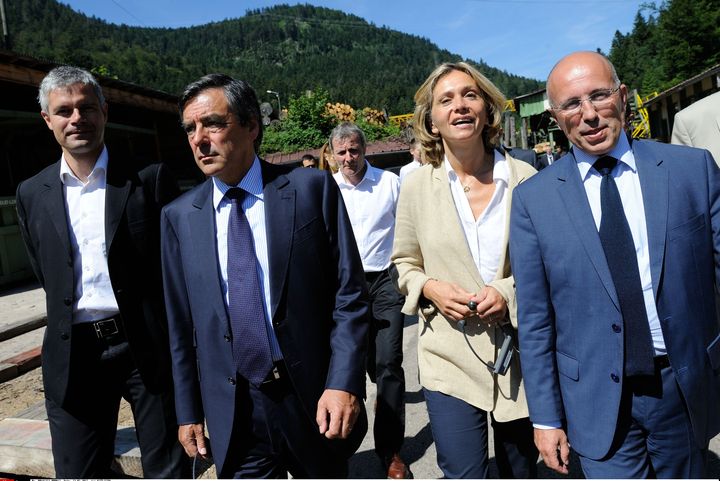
[266,301]
[91,227]
[615,257]
[545,159]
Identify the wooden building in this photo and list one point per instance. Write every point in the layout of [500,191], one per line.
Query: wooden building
[662,108]
[142,127]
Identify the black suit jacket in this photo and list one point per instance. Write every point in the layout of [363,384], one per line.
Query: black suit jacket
[133,201]
[317,289]
[542,161]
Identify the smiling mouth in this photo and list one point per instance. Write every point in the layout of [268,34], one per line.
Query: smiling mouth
[593,132]
[463,121]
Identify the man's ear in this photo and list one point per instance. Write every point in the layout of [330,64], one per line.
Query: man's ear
[624,96]
[46,118]
[254,128]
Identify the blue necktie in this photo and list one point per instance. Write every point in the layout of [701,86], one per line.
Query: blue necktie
[621,257]
[250,343]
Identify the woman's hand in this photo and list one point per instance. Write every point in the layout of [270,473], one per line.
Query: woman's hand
[450,299]
[491,306]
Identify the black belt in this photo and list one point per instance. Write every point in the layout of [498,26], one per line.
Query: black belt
[110,330]
[661,362]
[371,277]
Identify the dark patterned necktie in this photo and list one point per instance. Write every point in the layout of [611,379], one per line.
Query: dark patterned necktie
[250,343]
[620,252]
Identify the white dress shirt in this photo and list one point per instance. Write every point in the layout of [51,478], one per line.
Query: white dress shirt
[628,184]
[484,235]
[94,298]
[409,167]
[254,207]
[371,206]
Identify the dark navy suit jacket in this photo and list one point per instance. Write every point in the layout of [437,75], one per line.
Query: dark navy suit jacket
[318,296]
[568,310]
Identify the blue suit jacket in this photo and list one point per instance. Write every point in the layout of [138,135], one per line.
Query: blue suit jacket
[572,358]
[319,301]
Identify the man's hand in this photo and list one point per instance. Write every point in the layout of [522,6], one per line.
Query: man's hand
[450,299]
[192,437]
[336,413]
[554,448]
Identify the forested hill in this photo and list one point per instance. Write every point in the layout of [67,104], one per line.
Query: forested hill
[283,48]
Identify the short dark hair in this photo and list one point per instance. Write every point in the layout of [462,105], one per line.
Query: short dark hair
[241,98]
[308,157]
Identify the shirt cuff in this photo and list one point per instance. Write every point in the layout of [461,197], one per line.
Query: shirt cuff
[546,426]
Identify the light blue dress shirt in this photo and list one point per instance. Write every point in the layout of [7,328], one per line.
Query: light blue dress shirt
[254,207]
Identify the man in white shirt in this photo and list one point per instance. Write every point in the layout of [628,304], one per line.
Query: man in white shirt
[370,196]
[91,227]
[614,253]
[415,163]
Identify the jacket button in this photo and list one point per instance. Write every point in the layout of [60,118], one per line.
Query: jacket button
[64,336]
[616,328]
[231,381]
[226,337]
[67,301]
[615,377]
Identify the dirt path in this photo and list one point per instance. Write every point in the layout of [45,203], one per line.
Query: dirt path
[26,390]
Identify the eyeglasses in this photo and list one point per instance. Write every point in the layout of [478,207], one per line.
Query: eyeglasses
[599,99]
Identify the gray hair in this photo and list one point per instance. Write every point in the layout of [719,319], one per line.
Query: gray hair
[65,76]
[347,130]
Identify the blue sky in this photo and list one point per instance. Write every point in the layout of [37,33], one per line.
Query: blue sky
[523,37]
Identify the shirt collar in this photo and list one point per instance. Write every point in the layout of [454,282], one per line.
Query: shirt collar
[621,151]
[100,167]
[250,183]
[500,169]
[370,174]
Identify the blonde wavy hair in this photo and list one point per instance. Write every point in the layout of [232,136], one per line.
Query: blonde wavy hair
[431,144]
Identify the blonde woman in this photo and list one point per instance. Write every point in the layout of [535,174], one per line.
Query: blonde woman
[452,256]
[326,161]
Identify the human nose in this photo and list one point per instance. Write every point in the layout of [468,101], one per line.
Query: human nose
[590,112]
[458,103]
[76,116]
[198,135]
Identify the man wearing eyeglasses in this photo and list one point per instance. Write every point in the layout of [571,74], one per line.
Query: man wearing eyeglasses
[614,251]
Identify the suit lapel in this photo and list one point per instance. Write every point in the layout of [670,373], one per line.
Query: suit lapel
[654,187]
[577,207]
[513,181]
[449,219]
[201,222]
[279,200]
[54,201]
[116,196]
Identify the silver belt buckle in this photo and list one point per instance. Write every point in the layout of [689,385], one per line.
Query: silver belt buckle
[106,328]
[273,376]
